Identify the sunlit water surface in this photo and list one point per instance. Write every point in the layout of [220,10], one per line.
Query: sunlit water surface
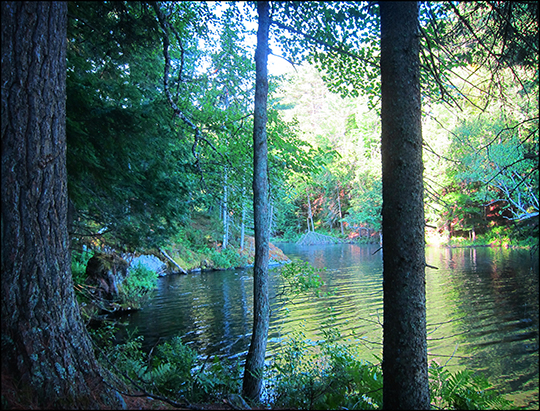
[482,310]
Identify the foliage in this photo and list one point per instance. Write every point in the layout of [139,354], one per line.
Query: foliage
[338,38]
[301,277]
[227,258]
[136,288]
[462,390]
[79,260]
[171,369]
[323,375]
[327,374]
[496,165]
[366,207]
[129,173]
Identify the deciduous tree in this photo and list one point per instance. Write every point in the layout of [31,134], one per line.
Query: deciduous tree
[254,368]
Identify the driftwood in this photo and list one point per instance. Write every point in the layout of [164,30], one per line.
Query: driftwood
[172,261]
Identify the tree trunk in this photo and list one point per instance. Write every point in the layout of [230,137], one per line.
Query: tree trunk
[253,373]
[225,210]
[271,218]
[45,347]
[339,208]
[310,214]
[405,368]
[243,225]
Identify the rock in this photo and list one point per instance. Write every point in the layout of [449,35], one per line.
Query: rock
[106,272]
[276,256]
[150,262]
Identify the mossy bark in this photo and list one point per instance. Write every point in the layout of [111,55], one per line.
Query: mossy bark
[45,347]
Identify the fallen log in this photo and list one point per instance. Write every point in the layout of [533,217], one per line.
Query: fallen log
[173,262]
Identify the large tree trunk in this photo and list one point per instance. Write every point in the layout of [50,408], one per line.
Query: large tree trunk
[45,347]
[252,384]
[405,368]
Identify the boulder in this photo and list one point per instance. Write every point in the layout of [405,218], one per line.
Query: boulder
[150,262]
[106,272]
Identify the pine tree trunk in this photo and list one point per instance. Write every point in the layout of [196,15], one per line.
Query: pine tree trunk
[45,347]
[405,368]
[253,373]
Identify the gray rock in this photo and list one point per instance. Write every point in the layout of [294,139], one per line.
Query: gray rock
[150,262]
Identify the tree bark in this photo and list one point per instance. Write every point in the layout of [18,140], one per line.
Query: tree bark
[310,214]
[339,208]
[243,225]
[404,366]
[45,347]
[253,373]
[225,209]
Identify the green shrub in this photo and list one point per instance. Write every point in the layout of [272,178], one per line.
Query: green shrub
[301,277]
[227,258]
[178,373]
[327,374]
[462,390]
[136,288]
[79,260]
[323,375]
[171,369]
[289,235]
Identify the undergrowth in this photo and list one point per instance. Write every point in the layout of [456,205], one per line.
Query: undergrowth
[328,374]
[171,369]
[324,374]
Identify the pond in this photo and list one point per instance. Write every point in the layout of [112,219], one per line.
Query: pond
[482,310]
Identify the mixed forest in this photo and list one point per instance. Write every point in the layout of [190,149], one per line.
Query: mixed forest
[139,172]
[175,138]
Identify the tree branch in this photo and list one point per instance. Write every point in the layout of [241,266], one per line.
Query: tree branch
[337,49]
[165,27]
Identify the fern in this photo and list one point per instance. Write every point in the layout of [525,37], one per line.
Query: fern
[463,390]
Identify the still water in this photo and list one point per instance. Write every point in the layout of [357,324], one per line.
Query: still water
[482,310]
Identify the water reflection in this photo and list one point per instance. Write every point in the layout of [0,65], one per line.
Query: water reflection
[482,310]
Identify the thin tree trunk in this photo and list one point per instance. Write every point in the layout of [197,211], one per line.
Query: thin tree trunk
[225,210]
[253,373]
[243,225]
[339,208]
[271,217]
[405,369]
[310,214]
[45,347]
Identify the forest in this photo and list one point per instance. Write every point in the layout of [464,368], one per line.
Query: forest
[200,132]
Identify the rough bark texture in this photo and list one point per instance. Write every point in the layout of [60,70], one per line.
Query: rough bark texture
[404,347]
[254,367]
[45,347]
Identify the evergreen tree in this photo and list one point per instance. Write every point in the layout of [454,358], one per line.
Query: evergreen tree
[45,347]
[405,367]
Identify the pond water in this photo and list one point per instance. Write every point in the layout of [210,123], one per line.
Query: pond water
[482,310]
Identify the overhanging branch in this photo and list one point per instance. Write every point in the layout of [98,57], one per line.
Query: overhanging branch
[337,49]
[165,27]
